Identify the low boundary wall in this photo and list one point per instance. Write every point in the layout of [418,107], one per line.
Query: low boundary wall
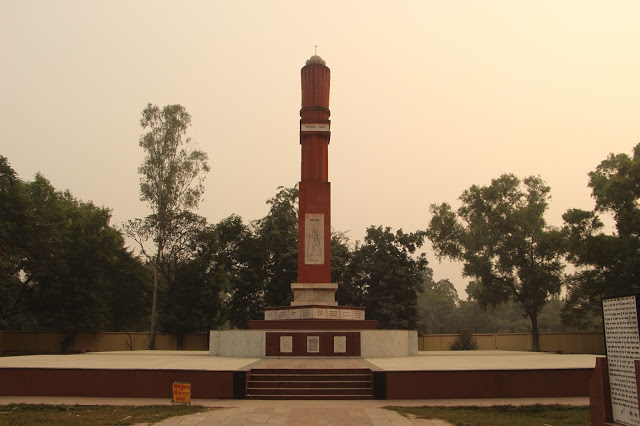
[568,343]
[43,342]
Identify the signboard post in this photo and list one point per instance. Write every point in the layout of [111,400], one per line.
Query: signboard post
[622,338]
[181,393]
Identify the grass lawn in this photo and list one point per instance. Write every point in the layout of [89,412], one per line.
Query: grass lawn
[42,414]
[507,415]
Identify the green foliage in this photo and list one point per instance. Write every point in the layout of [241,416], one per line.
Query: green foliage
[437,306]
[388,275]
[63,266]
[191,303]
[500,235]
[606,265]
[232,253]
[172,183]
[44,414]
[13,220]
[464,342]
[277,234]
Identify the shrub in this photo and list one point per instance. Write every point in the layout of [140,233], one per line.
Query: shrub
[464,342]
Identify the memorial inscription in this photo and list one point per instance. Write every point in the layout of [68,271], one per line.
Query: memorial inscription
[313,344]
[623,347]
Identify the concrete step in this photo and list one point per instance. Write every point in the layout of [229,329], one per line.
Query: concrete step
[310,384]
[309,377]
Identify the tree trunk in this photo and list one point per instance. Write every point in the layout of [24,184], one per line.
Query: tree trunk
[535,333]
[152,333]
[180,340]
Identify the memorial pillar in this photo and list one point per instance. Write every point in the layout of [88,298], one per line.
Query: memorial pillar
[314,216]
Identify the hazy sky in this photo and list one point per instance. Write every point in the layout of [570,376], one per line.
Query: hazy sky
[427,98]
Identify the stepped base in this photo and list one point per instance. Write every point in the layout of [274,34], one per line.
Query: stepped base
[310,384]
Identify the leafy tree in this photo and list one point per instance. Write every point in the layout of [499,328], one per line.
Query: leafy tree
[12,245]
[172,184]
[500,234]
[607,265]
[277,234]
[233,255]
[437,305]
[343,271]
[192,302]
[389,276]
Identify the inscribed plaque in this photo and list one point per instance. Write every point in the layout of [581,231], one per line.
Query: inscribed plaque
[339,344]
[286,344]
[313,344]
[623,347]
[314,239]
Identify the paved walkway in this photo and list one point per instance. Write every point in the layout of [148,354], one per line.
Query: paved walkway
[299,416]
[263,412]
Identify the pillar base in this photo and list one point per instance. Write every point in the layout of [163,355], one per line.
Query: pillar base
[314,294]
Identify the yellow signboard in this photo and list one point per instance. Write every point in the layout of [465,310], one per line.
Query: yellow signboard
[181,393]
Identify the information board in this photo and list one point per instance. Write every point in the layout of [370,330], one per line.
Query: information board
[181,393]
[622,339]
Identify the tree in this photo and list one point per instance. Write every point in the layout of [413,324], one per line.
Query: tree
[172,184]
[12,246]
[607,264]
[277,233]
[437,305]
[233,255]
[389,276]
[501,236]
[192,302]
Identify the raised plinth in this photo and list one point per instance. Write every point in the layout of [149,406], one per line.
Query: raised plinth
[313,343]
[314,294]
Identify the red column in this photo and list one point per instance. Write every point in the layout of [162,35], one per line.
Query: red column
[314,217]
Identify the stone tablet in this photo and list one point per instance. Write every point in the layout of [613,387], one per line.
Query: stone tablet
[286,344]
[313,344]
[339,344]
[622,339]
[294,314]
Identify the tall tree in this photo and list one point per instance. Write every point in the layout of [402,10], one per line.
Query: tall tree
[607,264]
[232,253]
[501,236]
[438,306]
[172,184]
[388,276]
[277,233]
[13,221]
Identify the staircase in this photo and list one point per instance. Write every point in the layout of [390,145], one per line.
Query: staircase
[349,383]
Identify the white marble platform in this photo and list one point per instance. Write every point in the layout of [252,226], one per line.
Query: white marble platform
[373,343]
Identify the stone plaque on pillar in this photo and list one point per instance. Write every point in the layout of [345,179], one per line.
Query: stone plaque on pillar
[339,344]
[622,340]
[314,239]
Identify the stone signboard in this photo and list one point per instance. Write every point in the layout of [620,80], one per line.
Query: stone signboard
[622,339]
